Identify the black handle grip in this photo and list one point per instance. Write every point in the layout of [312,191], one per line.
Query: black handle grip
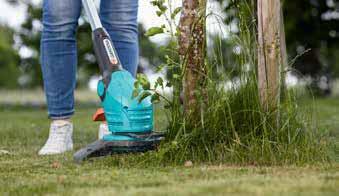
[106,54]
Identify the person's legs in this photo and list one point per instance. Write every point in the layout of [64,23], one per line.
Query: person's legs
[119,18]
[58,63]
[59,55]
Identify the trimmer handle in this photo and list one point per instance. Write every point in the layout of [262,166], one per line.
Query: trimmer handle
[106,54]
[103,46]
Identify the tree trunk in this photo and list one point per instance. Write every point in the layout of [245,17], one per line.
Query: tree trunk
[270,54]
[192,51]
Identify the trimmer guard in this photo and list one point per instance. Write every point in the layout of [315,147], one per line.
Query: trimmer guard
[136,143]
[123,112]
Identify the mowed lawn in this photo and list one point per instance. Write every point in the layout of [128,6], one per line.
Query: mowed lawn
[23,172]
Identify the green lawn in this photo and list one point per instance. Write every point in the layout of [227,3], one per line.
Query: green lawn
[24,130]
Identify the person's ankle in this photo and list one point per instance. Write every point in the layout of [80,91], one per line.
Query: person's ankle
[61,122]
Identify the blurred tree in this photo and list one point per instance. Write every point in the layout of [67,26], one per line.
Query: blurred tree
[312,36]
[29,41]
[312,31]
[9,59]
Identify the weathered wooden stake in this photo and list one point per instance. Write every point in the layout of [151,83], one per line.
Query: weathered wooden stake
[283,51]
[192,40]
[270,58]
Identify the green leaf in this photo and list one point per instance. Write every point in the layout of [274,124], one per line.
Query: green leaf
[144,95]
[146,85]
[160,67]
[177,32]
[159,13]
[155,98]
[168,59]
[154,31]
[162,7]
[168,84]
[136,84]
[154,3]
[175,76]
[160,81]
[143,81]
[135,93]
[175,12]
[141,77]
[167,106]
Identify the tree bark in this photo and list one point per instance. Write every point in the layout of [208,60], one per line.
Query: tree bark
[270,52]
[192,40]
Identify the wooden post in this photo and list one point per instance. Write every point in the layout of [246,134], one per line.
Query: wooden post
[269,52]
[192,51]
[283,51]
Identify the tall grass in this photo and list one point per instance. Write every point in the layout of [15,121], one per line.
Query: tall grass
[232,127]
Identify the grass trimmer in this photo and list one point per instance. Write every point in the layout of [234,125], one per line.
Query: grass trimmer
[129,120]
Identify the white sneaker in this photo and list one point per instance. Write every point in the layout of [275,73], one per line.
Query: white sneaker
[103,130]
[59,140]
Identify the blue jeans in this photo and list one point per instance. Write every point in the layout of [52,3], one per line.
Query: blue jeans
[59,48]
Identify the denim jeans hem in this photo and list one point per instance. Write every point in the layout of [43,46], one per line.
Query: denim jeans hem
[61,116]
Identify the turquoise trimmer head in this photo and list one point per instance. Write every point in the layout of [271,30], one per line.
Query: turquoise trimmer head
[129,120]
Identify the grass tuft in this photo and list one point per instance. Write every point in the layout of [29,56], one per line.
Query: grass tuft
[231,126]
[233,129]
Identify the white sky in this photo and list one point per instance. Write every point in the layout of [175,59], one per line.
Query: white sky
[14,16]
